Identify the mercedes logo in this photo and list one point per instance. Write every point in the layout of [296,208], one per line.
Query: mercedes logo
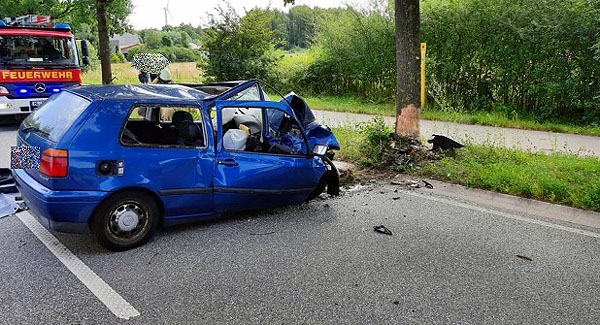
[39,87]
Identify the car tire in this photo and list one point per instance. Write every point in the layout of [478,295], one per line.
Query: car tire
[125,220]
[320,187]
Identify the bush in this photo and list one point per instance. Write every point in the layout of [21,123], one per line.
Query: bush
[377,138]
[117,58]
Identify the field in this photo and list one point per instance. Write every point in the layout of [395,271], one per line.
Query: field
[125,74]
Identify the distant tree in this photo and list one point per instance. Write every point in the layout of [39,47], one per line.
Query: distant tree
[239,47]
[152,38]
[302,21]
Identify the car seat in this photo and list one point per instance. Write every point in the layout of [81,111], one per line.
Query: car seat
[180,116]
[190,134]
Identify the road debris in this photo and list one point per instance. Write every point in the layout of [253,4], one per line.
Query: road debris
[396,198]
[150,260]
[7,206]
[523,257]
[263,233]
[407,183]
[382,229]
[441,143]
[427,184]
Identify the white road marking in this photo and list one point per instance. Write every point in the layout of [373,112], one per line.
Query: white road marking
[506,215]
[109,297]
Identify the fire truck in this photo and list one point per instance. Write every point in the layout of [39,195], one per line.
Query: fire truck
[38,58]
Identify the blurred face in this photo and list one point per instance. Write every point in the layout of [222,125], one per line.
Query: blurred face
[141,111]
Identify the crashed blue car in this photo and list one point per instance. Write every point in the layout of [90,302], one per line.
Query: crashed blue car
[120,161]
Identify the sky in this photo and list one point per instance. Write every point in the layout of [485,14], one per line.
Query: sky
[150,13]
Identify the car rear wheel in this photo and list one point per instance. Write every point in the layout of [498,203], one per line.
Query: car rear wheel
[125,220]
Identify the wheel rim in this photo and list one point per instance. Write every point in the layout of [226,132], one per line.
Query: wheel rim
[128,221]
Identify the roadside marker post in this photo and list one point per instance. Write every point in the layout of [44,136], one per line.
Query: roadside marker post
[423,50]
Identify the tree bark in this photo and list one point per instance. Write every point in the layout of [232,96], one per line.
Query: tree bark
[407,64]
[103,41]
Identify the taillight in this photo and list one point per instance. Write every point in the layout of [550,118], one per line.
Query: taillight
[55,162]
[4,91]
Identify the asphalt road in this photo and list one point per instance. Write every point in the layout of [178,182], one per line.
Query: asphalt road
[8,136]
[321,263]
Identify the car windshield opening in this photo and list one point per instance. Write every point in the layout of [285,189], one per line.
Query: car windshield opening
[37,50]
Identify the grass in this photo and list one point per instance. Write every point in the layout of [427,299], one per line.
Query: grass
[556,177]
[354,105]
[182,72]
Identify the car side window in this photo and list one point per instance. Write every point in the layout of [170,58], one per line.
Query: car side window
[164,126]
[258,130]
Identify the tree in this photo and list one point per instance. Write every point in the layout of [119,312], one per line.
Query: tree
[407,17]
[111,16]
[107,16]
[103,40]
[407,67]
[239,47]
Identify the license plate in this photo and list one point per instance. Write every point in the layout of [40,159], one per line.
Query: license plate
[35,103]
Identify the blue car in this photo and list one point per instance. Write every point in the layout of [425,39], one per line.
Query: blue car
[120,161]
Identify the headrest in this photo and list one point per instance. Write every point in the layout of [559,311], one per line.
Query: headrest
[190,133]
[180,116]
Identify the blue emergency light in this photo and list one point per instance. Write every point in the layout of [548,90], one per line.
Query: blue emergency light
[23,91]
[56,90]
[2,23]
[62,26]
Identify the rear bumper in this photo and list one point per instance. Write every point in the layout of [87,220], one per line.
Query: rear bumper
[65,211]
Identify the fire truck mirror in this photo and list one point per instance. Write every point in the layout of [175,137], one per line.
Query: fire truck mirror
[85,53]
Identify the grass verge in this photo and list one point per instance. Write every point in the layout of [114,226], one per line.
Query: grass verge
[557,178]
[354,105]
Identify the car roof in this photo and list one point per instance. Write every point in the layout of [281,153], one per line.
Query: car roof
[139,92]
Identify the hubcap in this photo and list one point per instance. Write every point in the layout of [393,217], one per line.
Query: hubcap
[127,220]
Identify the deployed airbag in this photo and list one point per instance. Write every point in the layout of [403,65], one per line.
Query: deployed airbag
[235,139]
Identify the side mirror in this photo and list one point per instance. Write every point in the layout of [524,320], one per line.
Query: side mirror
[319,150]
[85,53]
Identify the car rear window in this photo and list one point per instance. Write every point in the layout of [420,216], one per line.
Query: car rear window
[57,114]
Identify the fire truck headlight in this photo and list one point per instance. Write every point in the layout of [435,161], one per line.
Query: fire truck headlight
[3,105]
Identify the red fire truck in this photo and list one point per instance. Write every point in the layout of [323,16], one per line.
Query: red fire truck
[38,58]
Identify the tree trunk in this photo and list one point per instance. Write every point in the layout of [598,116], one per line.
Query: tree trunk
[407,64]
[103,41]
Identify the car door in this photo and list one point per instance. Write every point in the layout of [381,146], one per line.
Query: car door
[155,157]
[246,180]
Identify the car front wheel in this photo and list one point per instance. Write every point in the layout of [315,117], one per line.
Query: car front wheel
[125,220]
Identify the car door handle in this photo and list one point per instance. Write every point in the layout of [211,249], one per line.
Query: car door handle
[228,162]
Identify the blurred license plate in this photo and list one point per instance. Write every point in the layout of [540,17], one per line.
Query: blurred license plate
[35,103]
